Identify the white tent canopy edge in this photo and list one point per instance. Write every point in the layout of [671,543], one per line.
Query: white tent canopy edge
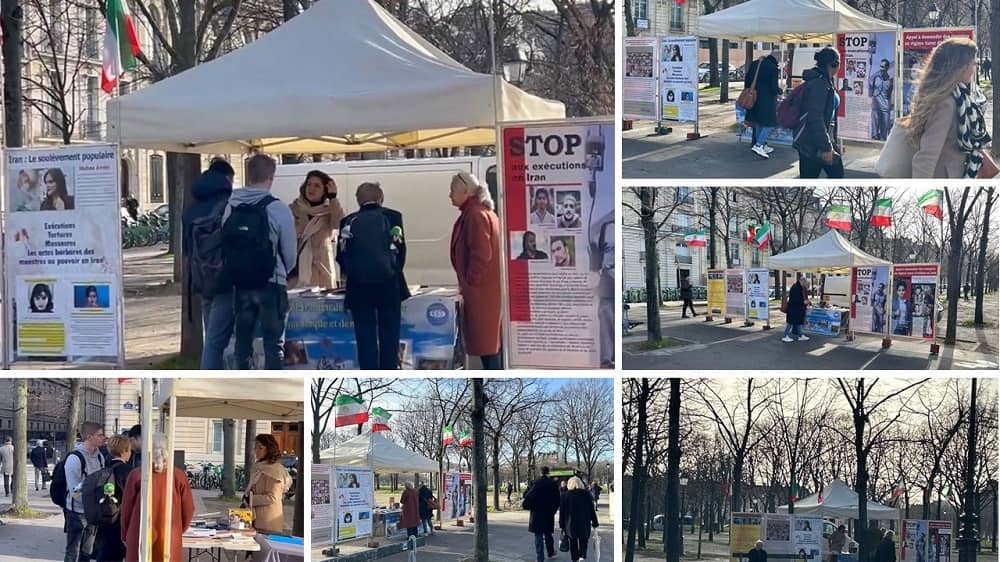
[789,21]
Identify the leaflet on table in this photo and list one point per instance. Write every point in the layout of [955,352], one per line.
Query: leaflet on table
[456,503]
[321,505]
[917,44]
[823,321]
[639,84]
[866,84]
[560,235]
[757,294]
[914,300]
[63,254]
[870,290]
[736,297]
[717,291]
[354,502]
[679,78]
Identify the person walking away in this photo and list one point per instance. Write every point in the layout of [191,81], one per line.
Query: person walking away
[886,549]
[880,88]
[475,255]
[814,137]
[182,507]
[85,459]
[795,317]
[410,503]
[837,542]
[763,75]
[371,253]
[687,294]
[258,238]
[7,465]
[987,69]
[40,463]
[135,440]
[595,492]
[103,494]
[267,486]
[317,221]
[510,490]
[577,517]
[202,247]
[427,506]
[542,502]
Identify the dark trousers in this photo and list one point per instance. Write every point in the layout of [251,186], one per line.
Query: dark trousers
[491,362]
[377,313]
[108,545]
[578,547]
[265,309]
[543,544]
[810,167]
[79,537]
[688,303]
[8,483]
[218,318]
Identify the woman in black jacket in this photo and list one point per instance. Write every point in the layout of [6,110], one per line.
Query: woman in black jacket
[886,549]
[764,113]
[813,138]
[795,316]
[576,517]
[426,498]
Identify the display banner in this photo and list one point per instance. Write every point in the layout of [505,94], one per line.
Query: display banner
[456,502]
[939,541]
[869,295]
[559,197]
[717,291]
[354,502]
[914,300]
[321,505]
[679,79]
[866,82]
[736,298]
[639,84]
[757,294]
[744,532]
[824,321]
[63,255]
[913,542]
[917,44]
[793,537]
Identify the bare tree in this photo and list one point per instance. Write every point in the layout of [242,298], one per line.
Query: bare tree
[20,504]
[943,415]
[506,399]
[959,208]
[799,429]
[984,241]
[323,393]
[73,419]
[587,408]
[481,539]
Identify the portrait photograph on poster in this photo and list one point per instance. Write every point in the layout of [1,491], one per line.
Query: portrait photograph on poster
[525,245]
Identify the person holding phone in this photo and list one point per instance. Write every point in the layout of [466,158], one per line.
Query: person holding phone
[317,215]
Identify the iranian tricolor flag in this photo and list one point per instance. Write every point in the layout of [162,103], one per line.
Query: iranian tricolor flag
[121,44]
[751,233]
[839,217]
[380,419]
[350,410]
[762,235]
[696,239]
[883,213]
[931,203]
[464,439]
[447,436]
[899,490]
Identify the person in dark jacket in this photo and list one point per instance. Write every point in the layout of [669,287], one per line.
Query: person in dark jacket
[409,503]
[38,460]
[426,498]
[795,316]
[886,549]
[576,518]
[108,545]
[813,137]
[135,439]
[542,500]
[687,294]
[764,113]
[211,193]
[758,554]
[376,308]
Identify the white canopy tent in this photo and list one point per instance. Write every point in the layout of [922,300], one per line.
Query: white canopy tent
[789,21]
[379,452]
[828,252]
[838,500]
[346,76]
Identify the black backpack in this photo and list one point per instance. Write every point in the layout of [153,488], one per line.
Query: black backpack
[100,508]
[369,248]
[207,268]
[57,487]
[247,252]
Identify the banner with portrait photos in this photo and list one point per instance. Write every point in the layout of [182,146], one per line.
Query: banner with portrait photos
[736,293]
[866,81]
[870,292]
[917,44]
[322,509]
[679,79]
[913,302]
[63,256]
[456,499]
[639,82]
[355,501]
[559,211]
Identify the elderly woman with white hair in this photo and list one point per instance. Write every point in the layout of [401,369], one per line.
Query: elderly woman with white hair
[165,534]
[475,255]
[577,516]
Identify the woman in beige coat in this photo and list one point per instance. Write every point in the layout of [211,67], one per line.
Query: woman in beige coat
[317,217]
[269,481]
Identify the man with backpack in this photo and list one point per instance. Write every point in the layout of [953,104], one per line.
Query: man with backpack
[258,250]
[102,494]
[202,246]
[810,110]
[66,490]
[371,254]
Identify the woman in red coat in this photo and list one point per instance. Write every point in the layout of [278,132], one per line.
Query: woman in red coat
[183,508]
[475,255]
[410,504]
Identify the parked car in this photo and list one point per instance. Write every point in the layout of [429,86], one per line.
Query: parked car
[657,524]
[703,72]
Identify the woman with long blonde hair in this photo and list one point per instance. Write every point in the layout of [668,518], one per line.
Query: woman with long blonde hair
[946,124]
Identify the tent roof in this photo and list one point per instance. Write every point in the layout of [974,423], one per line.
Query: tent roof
[789,21]
[830,251]
[344,74]
[237,398]
[387,456]
[840,501]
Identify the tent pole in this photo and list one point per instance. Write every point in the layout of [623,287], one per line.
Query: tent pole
[169,508]
[146,506]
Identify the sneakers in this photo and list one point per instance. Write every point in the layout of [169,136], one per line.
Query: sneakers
[803,338]
[787,339]
[768,149]
[759,150]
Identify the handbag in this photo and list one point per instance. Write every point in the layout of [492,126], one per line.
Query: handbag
[564,542]
[748,97]
[989,168]
[597,546]
[896,158]
[46,476]
[784,305]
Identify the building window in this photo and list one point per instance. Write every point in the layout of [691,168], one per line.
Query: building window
[92,126]
[756,257]
[156,178]
[734,253]
[676,17]
[217,438]
[642,257]
[640,9]
[91,35]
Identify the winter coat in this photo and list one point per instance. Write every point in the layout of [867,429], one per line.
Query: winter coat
[131,520]
[7,459]
[813,135]
[765,111]
[269,481]
[938,155]
[282,229]
[316,228]
[209,192]
[686,291]
[425,495]
[796,305]
[577,514]
[410,502]
[37,457]
[757,555]
[475,255]
[885,551]
[361,293]
[542,500]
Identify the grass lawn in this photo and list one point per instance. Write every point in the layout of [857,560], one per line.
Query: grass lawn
[654,345]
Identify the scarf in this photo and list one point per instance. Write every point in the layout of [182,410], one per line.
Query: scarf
[972,135]
[317,215]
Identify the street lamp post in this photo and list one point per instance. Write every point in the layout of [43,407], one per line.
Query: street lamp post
[684,483]
[933,14]
[515,68]
[968,536]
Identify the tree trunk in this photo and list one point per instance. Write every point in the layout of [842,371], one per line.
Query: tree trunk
[672,535]
[229,457]
[995,48]
[647,218]
[861,485]
[724,91]
[299,517]
[248,444]
[481,546]
[713,62]
[984,241]
[712,209]
[12,15]
[954,283]
[182,173]
[637,473]
[73,422]
[20,504]
[496,472]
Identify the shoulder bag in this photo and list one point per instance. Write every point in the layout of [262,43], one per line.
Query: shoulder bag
[748,97]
